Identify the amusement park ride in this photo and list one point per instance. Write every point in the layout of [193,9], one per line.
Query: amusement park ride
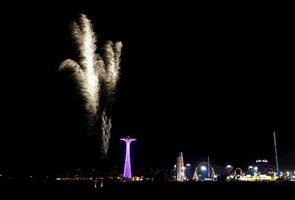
[261,170]
[204,172]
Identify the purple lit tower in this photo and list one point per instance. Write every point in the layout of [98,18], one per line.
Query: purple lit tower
[127,166]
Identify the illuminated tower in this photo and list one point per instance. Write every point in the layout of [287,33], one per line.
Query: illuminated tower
[276,151]
[180,169]
[127,167]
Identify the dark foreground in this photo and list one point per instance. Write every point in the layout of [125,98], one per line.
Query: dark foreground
[229,190]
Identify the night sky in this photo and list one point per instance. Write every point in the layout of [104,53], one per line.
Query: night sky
[197,79]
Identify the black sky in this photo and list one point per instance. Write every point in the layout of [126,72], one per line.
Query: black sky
[205,80]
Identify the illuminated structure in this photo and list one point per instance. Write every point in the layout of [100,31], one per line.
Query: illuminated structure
[180,169]
[261,172]
[276,151]
[127,167]
[204,172]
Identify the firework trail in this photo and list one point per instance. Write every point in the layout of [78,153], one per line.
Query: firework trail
[110,79]
[106,126]
[112,65]
[86,72]
[96,76]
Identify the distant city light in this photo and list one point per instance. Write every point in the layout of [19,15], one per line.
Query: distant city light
[255,168]
[262,161]
[287,173]
[229,167]
[203,168]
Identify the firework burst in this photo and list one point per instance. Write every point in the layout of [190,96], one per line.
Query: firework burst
[96,76]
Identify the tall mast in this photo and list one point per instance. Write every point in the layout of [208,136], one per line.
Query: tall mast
[276,151]
[208,167]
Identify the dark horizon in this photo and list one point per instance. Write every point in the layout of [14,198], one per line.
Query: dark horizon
[204,82]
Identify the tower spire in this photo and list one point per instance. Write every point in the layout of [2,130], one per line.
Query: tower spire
[180,174]
[127,166]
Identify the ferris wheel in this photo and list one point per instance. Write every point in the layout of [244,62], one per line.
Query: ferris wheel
[236,174]
[204,171]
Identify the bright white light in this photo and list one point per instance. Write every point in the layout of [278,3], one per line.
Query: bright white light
[188,165]
[250,167]
[255,168]
[183,168]
[174,166]
[229,167]
[203,168]
[287,173]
